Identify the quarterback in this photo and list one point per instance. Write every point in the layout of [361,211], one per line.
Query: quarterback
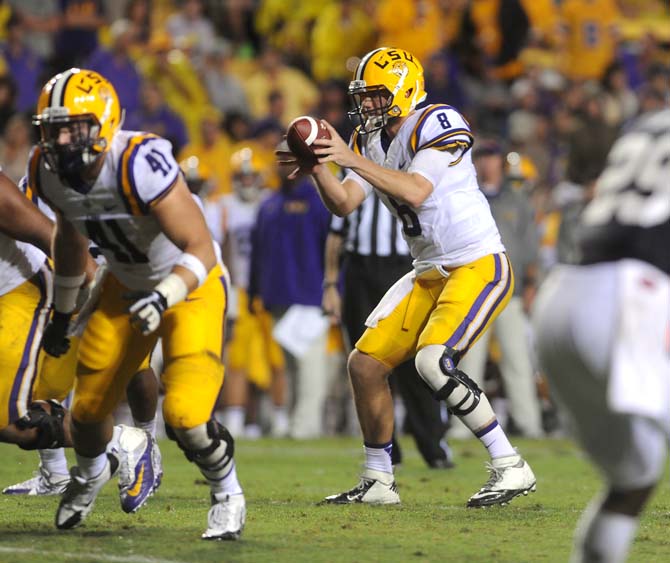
[418,162]
[124,191]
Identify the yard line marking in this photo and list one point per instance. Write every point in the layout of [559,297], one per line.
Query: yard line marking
[97,556]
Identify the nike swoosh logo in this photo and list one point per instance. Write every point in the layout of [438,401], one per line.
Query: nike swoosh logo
[138,484]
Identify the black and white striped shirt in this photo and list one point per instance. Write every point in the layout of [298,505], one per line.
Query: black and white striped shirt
[371,230]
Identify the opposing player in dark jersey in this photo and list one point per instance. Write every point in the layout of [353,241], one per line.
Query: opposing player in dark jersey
[603,335]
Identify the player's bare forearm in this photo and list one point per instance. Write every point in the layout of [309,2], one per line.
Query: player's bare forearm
[183,223]
[21,220]
[341,198]
[409,188]
[70,249]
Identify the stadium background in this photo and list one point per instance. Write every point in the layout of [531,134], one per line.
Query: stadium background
[550,80]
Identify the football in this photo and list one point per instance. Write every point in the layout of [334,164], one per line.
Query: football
[300,135]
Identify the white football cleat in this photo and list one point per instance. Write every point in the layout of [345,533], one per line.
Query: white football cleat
[510,477]
[80,494]
[226,517]
[42,484]
[137,479]
[375,487]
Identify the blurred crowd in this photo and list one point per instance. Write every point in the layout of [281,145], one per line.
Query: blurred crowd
[546,83]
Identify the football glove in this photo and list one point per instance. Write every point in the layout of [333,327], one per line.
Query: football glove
[54,340]
[147,310]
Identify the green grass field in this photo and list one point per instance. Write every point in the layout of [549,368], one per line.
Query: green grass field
[283,480]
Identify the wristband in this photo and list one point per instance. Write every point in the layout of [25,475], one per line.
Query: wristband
[66,291]
[327,284]
[173,288]
[194,265]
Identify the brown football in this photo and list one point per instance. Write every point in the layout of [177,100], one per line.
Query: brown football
[300,135]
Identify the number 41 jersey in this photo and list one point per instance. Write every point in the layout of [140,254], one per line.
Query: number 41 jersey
[629,217]
[454,225]
[138,171]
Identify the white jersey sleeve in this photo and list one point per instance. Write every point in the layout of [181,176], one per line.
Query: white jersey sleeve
[150,169]
[442,128]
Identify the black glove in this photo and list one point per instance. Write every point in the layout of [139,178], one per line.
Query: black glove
[54,340]
[147,309]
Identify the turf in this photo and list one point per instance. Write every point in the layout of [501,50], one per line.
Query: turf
[283,480]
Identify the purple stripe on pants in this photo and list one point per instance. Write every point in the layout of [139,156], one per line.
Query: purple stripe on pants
[25,358]
[495,306]
[474,310]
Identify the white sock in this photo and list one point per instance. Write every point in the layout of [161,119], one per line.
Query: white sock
[54,461]
[603,535]
[150,426]
[229,485]
[378,457]
[233,420]
[279,420]
[495,441]
[91,467]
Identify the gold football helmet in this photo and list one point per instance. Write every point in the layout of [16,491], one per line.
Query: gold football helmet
[247,174]
[78,113]
[387,83]
[197,174]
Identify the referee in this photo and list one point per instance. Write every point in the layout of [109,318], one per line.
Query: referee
[369,246]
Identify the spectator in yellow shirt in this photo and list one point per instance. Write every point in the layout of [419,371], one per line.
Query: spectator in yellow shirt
[415,26]
[213,152]
[342,30]
[590,37]
[298,91]
[171,70]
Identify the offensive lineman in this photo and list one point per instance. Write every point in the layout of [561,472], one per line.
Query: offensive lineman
[29,417]
[418,162]
[124,191]
[603,336]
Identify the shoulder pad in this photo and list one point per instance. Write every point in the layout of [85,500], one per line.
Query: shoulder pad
[441,127]
[147,171]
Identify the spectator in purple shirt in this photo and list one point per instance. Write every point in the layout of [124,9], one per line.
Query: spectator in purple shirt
[25,66]
[77,37]
[154,116]
[116,65]
[287,264]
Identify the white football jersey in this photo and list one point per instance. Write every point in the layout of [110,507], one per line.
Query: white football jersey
[454,225]
[138,171]
[19,261]
[240,220]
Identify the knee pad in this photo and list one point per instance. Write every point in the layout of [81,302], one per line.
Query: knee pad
[47,417]
[199,443]
[436,365]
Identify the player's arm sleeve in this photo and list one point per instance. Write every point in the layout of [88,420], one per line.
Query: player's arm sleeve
[441,136]
[148,172]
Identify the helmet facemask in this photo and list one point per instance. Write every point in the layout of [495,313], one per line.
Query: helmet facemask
[247,186]
[373,114]
[71,147]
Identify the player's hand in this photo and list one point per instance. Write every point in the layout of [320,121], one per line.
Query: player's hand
[288,163]
[147,310]
[332,304]
[54,339]
[334,149]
